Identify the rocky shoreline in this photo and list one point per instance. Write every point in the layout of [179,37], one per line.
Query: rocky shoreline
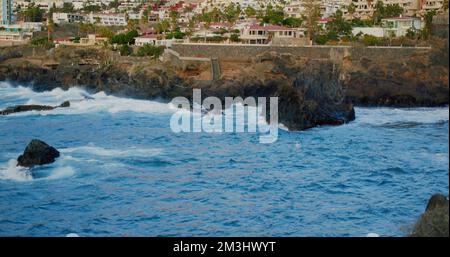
[311,92]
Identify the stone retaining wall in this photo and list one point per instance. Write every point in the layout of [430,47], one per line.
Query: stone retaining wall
[246,52]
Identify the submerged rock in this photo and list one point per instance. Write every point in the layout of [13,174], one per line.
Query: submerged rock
[32,107]
[435,221]
[37,152]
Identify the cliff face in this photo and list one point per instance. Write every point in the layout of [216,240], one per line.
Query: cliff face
[413,81]
[310,91]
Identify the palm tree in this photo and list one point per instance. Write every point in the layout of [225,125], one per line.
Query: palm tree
[50,28]
[351,9]
[312,14]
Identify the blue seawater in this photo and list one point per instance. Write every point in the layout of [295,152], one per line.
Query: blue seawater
[123,172]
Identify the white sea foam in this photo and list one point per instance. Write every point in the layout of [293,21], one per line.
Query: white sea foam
[80,101]
[14,172]
[61,172]
[380,116]
[127,152]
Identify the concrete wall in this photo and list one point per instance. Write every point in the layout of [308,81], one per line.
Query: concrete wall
[246,52]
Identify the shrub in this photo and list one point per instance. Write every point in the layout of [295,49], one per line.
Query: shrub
[370,40]
[177,34]
[125,38]
[42,41]
[235,37]
[125,50]
[321,39]
[150,50]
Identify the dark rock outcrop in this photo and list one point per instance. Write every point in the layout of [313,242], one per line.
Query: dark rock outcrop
[435,221]
[418,80]
[310,91]
[37,153]
[33,107]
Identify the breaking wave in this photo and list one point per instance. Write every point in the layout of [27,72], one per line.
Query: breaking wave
[80,101]
[405,117]
[104,152]
[16,173]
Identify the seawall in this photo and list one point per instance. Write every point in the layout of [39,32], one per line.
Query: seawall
[246,52]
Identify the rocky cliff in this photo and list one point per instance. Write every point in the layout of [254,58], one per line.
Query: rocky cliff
[310,91]
[421,79]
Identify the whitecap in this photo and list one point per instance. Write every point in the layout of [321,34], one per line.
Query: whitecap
[105,152]
[372,235]
[61,172]
[17,173]
[80,101]
[72,235]
[14,172]
[385,116]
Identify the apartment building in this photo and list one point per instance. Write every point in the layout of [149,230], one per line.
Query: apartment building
[6,12]
[59,18]
[107,19]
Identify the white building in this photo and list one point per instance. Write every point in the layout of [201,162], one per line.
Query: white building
[399,26]
[272,34]
[24,26]
[146,40]
[392,27]
[107,19]
[67,17]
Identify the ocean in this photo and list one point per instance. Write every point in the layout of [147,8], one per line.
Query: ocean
[123,172]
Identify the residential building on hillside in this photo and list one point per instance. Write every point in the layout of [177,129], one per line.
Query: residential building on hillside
[6,12]
[399,26]
[66,17]
[272,34]
[107,19]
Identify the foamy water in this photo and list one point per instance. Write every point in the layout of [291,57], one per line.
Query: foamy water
[122,171]
[80,101]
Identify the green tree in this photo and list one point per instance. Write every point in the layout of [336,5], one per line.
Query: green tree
[292,22]
[67,7]
[382,11]
[114,4]
[338,26]
[250,11]
[174,15]
[428,18]
[33,13]
[312,13]
[351,9]
[232,12]
[105,32]
[273,15]
[235,37]
[177,34]
[125,38]
[162,26]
